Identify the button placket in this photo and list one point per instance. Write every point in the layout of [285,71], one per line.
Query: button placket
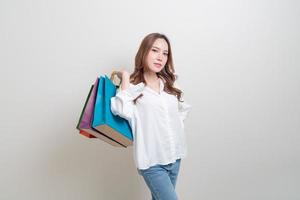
[170,140]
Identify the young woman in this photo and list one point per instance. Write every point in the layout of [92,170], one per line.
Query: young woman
[150,100]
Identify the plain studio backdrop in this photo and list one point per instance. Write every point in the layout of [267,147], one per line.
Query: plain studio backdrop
[238,65]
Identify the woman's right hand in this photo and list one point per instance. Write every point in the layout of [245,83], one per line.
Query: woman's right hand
[123,74]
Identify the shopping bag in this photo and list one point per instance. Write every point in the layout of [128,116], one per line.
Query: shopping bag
[104,120]
[86,134]
[81,115]
[86,119]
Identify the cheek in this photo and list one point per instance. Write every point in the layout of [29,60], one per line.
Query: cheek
[165,59]
[150,57]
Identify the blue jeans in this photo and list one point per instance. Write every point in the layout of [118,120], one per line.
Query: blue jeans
[161,180]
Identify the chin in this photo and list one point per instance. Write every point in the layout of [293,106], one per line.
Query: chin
[156,70]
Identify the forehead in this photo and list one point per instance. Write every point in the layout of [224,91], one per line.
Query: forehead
[161,43]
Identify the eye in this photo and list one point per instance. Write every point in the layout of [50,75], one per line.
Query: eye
[154,50]
[166,54]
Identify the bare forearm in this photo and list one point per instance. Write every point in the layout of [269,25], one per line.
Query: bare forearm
[125,82]
[125,79]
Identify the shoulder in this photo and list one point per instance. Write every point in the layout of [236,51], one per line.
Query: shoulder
[137,86]
[134,88]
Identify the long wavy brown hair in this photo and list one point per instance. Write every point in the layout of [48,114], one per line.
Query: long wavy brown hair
[167,73]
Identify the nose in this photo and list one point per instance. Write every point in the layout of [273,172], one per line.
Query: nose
[159,57]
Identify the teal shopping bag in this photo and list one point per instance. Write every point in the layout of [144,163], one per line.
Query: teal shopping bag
[104,120]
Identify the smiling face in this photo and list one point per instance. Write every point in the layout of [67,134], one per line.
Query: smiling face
[158,55]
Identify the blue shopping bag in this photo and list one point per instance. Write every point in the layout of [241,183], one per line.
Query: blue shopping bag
[104,120]
[86,118]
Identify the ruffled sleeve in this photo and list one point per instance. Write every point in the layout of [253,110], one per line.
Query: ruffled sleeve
[184,108]
[122,103]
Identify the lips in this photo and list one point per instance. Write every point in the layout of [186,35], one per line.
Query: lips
[157,64]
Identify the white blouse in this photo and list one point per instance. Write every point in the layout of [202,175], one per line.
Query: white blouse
[157,123]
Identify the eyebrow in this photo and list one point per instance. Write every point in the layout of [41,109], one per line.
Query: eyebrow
[159,48]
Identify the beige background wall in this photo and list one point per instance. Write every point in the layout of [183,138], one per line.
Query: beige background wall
[238,63]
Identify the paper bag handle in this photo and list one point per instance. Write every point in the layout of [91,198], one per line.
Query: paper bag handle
[113,78]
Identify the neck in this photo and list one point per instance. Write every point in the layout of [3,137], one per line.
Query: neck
[150,77]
